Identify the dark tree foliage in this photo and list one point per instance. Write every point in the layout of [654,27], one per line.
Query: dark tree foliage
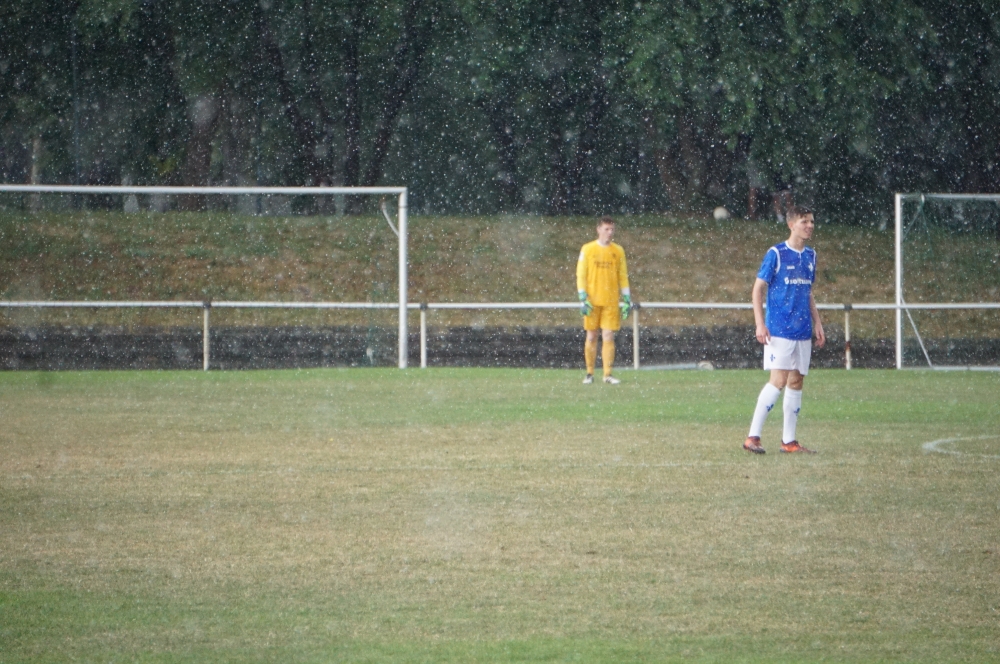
[547,106]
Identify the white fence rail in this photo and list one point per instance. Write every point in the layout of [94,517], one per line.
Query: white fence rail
[424,308]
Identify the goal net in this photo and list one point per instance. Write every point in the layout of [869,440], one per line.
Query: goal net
[88,249]
[948,281]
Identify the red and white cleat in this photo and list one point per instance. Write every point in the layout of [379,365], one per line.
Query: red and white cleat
[752,444]
[794,446]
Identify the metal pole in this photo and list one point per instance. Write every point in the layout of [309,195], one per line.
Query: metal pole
[635,335]
[205,343]
[423,335]
[402,280]
[899,281]
[847,337]
[74,66]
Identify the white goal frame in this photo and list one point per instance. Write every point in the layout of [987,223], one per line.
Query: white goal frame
[401,230]
[901,304]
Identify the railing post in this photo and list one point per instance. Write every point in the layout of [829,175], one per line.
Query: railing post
[205,340]
[423,335]
[847,337]
[635,335]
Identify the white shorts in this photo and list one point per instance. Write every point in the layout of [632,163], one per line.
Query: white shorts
[788,355]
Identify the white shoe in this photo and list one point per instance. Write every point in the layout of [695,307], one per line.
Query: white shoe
[611,380]
[589,379]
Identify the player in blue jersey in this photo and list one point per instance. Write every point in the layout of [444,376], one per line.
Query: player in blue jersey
[792,321]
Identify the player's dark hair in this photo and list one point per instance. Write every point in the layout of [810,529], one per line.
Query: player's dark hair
[797,211]
[605,220]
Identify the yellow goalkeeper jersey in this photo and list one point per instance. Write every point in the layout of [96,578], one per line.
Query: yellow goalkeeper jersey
[601,272]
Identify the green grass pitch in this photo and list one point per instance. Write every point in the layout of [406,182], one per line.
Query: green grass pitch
[496,515]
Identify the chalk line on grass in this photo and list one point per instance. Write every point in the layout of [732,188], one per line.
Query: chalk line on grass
[935,446]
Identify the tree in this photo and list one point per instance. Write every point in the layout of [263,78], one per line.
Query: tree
[545,75]
[529,105]
[384,49]
[786,89]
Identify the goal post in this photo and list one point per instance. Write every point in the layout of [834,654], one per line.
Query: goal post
[938,220]
[138,190]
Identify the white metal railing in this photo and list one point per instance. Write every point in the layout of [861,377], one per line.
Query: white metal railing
[207,306]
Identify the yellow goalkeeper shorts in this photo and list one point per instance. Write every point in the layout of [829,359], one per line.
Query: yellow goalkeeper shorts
[603,318]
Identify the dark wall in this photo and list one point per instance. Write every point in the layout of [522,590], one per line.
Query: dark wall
[58,348]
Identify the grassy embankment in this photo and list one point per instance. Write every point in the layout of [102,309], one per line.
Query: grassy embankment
[106,255]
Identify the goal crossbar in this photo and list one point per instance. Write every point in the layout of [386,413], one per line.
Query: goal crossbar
[950,197]
[180,191]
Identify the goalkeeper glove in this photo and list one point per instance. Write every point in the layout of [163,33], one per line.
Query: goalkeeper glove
[585,306]
[626,306]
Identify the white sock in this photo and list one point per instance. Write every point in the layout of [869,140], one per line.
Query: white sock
[765,402]
[792,405]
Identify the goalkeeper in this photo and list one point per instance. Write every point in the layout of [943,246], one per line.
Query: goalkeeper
[600,277]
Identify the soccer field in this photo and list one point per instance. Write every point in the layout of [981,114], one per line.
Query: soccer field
[496,515]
